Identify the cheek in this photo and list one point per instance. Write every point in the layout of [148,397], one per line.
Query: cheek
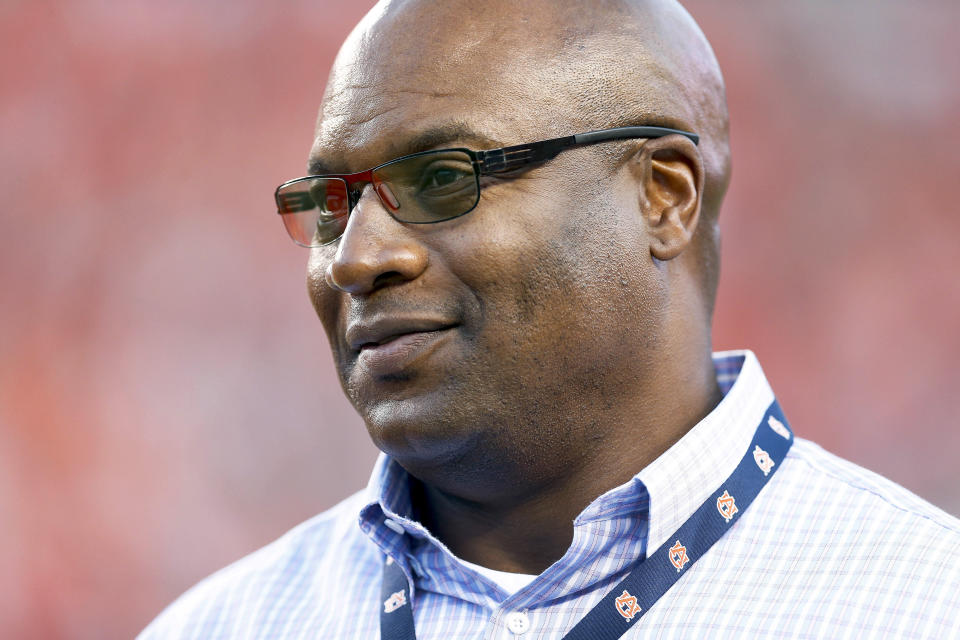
[565,286]
[533,282]
[570,244]
[325,300]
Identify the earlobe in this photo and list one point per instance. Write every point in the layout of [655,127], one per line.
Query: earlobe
[672,177]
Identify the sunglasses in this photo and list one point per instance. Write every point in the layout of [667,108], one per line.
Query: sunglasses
[422,188]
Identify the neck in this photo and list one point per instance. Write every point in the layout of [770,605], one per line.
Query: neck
[527,524]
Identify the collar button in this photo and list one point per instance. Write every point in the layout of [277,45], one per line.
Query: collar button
[394,525]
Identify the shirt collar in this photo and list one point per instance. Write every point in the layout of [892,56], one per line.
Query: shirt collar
[670,488]
[687,473]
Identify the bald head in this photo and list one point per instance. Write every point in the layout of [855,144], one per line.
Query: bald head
[540,68]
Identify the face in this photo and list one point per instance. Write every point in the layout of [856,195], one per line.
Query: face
[485,337]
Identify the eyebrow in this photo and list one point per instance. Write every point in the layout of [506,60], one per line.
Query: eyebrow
[434,137]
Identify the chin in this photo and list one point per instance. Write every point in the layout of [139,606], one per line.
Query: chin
[419,433]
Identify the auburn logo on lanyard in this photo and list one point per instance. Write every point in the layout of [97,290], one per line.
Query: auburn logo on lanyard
[627,605]
[778,427]
[763,460]
[727,506]
[394,602]
[678,556]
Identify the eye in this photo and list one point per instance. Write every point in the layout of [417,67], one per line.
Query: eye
[445,177]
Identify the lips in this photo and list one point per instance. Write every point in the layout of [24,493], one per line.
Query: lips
[365,335]
[394,345]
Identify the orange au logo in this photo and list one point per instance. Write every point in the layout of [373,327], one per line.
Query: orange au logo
[627,605]
[763,459]
[727,506]
[395,601]
[778,428]
[678,556]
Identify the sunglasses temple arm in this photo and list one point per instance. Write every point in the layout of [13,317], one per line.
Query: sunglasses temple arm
[513,158]
[632,132]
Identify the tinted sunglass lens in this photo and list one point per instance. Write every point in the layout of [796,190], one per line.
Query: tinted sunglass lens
[314,211]
[429,187]
[424,188]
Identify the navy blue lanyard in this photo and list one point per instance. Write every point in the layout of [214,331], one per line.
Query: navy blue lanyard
[623,607]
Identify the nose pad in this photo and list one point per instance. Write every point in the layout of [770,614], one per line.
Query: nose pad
[386,196]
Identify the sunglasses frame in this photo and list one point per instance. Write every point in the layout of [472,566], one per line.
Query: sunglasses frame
[485,162]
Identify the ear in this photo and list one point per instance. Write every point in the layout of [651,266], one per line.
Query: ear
[671,175]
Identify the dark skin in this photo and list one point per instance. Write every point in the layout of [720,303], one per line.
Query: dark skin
[556,339]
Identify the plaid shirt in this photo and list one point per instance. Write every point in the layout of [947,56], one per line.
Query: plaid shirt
[827,549]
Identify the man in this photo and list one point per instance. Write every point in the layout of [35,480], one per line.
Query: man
[514,254]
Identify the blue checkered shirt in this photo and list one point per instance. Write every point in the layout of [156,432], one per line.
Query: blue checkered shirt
[828,549]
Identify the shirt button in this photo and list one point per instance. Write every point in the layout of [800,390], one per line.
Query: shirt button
[518,622]
[393,524]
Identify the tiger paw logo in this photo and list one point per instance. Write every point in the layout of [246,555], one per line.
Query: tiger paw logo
[727,506]
[763,459]
[627,605]
[778,428]
[678,556]
[394,602]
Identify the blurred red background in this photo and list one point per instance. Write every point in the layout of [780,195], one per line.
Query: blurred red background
[167,401]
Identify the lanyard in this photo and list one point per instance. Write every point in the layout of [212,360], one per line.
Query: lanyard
[626,603]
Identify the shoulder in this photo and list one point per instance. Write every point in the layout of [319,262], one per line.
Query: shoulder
[304,563]
[862,497]
[829,549]
[854,547]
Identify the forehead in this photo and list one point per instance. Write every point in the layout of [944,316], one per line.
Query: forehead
[398,79]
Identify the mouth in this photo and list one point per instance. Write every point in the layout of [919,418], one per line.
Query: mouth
[398,340]
[389,348]
[373,344]
[381,332]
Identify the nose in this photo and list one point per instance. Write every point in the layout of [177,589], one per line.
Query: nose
[374,251]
